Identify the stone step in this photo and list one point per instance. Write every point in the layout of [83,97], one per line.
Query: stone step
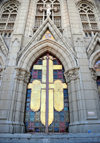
[50,138]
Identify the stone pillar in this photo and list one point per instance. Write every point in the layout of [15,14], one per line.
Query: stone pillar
[82,111]
[95,89]
[65,19]
[31,19]
[18,104]
[19,31]
[97,2]
[22,17]
[76,101]
[6,98]
[88,119]
[12,100]
[11,118]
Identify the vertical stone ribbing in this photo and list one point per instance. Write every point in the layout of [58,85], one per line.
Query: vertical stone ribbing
[9,87]
[31,19]
[87,110]
[65,19]
[22,17]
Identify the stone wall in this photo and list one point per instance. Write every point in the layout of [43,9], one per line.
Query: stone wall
[71,50]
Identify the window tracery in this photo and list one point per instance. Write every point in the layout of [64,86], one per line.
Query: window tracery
[47,8]
[7,18]
[88,19]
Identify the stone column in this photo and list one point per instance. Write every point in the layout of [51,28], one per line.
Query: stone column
[9,122]
[97,2]
[12,100]
[76,102]
[31,19]
[6,98]
[81,117]
[18,104]
[88,119]
[19,31]
[65,19]
[95,89]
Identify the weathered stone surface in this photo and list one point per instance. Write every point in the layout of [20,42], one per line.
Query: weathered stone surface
[77,54]
[50,138]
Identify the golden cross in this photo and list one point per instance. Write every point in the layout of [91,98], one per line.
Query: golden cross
[38,92]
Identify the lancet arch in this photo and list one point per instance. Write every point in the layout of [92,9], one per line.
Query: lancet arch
[34,52]
[47,107]
[28,56]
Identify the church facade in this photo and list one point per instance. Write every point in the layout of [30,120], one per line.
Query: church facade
[50,66]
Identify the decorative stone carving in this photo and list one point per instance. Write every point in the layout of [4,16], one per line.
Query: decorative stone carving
[72,74]
[3,47]
[22,75]
[93,74]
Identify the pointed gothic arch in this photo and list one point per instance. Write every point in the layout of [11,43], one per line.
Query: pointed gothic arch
[88,16]
[8,14]
[92,51]
[28,57]
[30,54]
[47,106]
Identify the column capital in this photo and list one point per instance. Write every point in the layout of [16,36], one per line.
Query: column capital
[72,74]
[93,74]
[22,75]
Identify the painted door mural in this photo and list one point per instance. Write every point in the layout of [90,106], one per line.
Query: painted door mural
[47,108]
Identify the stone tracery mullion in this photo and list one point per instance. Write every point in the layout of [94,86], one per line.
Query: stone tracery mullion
[41,13]
[89,23]
[6,23]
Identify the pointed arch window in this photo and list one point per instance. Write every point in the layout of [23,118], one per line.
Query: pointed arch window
[41,12]
[88,19]
[47,104]
[7,18]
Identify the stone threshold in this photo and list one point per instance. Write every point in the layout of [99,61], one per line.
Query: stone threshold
[50,138]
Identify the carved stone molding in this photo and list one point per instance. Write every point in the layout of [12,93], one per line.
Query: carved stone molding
[72,74]
[3,46]
[22,75]
[93,74]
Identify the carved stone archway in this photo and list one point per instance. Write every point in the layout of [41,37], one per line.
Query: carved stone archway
[33,52]
[67,58]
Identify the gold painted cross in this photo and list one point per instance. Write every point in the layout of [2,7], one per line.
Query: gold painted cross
[38,92]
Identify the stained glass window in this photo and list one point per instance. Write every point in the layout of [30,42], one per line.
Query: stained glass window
[97,65]
[36,74]
[36,114]
[56,62]
[58,74]
[39,62]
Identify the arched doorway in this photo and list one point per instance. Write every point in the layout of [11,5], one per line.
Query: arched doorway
[47,107]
